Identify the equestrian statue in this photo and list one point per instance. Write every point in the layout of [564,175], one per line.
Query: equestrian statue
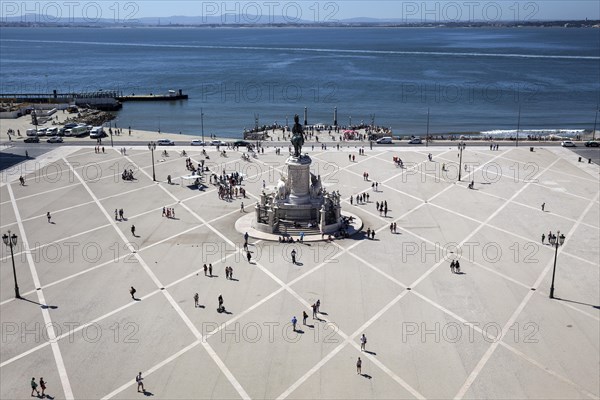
[297,137]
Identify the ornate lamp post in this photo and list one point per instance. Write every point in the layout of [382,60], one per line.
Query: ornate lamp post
[152,147]
[10,241]
[555,240]
[461,147]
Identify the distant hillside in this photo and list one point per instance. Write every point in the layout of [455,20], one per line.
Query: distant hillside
[37,20]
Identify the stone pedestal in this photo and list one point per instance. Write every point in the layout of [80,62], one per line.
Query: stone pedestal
[298,175]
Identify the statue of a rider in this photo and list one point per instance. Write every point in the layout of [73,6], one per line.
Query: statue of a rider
[297,136]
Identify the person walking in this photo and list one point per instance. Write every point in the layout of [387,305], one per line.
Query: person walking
[248,256]
[133,230]
[457,267]
[220,299]
[543,206]
[132,292]
[452,264]
[363,342]
[294,322]
[22,180]
[314,310]
[543,238]
[140,384]
[196,298]
[210,270]
[48,216]
[242,207]
[116,214]
[34,387]
[304,317]
[318,304]
[205,267]
[359,366]
[43,386]
[293,256]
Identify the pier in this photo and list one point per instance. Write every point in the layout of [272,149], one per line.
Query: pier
[105,100]
[171,96]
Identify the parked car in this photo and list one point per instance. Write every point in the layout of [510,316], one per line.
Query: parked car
[33,139]
[41,132]
[55,139]
[97,132]
[52,131]
[197,143]
[241,143]
[70,125]
[592,143]
[79,130]
[415,141]
[165,142]
[218,143]
[384,140]
[31,132]
[567,143]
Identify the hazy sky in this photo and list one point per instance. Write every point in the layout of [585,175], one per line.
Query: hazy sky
[312,10]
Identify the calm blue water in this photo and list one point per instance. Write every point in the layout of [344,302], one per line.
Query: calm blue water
[471,79]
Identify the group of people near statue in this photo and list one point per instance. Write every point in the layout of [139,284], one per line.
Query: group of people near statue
[228,185]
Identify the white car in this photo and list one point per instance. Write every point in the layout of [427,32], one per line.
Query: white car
[384,140]
[165,142]
[197,143]
[218,143]
[567,143]
[55,139]
[415,141]
[52,131]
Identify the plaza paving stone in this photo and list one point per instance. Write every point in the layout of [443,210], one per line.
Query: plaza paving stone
[514,341]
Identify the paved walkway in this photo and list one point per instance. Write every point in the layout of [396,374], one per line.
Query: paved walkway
[489,332]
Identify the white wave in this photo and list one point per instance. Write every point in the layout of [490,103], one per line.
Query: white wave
[533,132]
[316,50]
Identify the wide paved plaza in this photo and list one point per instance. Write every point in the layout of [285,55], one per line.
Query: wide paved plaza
[490,331]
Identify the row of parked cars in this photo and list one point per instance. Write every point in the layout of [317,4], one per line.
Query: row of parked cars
[570,143]
[70,129]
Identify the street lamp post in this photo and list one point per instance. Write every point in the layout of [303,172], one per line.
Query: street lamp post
[152,147]
[427,134]
[595,120]
[202,125]
[518,126]
[461,147]
[10,241]
[555,240]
